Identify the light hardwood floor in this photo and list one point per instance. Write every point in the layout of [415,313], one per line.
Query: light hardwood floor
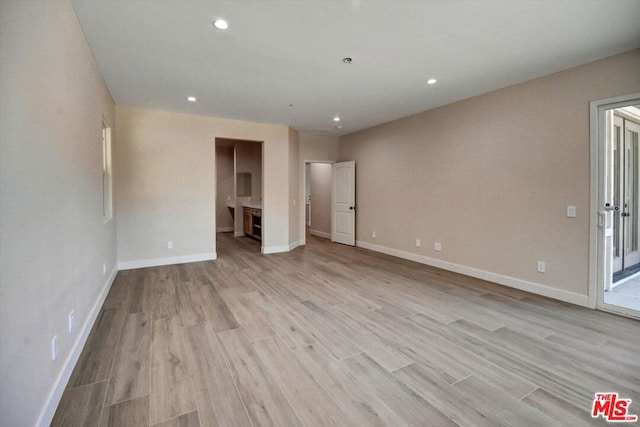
[333,335]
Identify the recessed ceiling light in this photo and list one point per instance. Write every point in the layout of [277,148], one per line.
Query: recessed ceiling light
[431,81]
[336,119]
[191,99]
[221,24]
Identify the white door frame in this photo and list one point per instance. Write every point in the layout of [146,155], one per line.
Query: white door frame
[597,215]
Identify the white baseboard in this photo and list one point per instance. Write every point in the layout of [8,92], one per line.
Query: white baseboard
[143,263]
[275,249]
[280,249]
[523,285]
[224,229]
[53,400]
[238,234]
[320,234]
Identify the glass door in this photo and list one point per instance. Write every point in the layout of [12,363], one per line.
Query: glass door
[626,194]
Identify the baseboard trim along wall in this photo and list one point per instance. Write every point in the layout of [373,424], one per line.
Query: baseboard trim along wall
[143,263]
[320,234]
[275,249]
[523,285]
[53,400]
[224,229]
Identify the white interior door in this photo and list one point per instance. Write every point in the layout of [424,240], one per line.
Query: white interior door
[343,203]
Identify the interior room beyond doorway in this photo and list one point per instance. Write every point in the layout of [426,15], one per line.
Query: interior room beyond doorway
[239,189]
[318,176]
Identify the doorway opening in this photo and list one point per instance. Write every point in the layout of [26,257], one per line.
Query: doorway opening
[615,127]
[329,190]
[317,198]
[239,190]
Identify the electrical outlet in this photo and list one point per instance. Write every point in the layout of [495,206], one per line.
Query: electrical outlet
[437,246]
[71,320]
[571,211]
[53,347]
[542,266]
[418,243]
[169,244]
[373,234]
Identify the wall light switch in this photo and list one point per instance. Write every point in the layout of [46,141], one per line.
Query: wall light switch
[571,211]
[373,234]
[169,244]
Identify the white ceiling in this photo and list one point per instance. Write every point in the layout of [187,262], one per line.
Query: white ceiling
[153,54]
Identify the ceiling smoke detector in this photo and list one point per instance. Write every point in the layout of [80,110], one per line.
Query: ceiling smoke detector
[347,60]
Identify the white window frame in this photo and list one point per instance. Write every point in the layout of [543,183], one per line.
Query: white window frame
[107,173]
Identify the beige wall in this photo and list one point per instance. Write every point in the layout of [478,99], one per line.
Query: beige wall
[313,148]
[54,241]
[491,177]
[165,184]
[321,174]
[225,187]
[318,147]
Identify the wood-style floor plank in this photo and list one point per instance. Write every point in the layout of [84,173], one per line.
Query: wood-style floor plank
[96,359]
[334,335]
[560,410]
[444,397]
[132,366]
[382,353]
[134,412]
[262,397]
[361,405]
[189,303]
[218,401]
[405,402]
[80,406]
[187,420]
[505,407]
[216,310]
[171,389]
[304,394]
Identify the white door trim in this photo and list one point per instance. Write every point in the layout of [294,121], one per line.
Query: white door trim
[597,191]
